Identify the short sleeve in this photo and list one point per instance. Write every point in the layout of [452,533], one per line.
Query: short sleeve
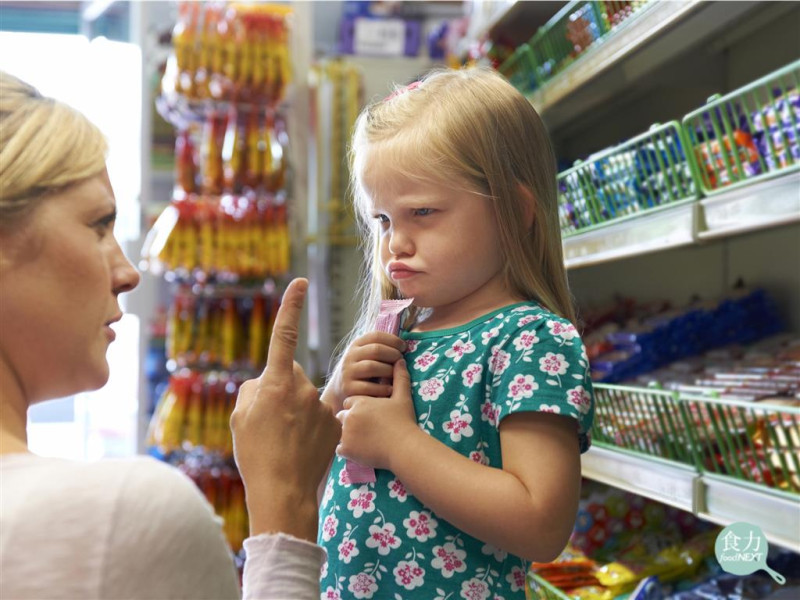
[540,364]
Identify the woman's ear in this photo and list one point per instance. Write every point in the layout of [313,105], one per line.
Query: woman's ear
[528,205]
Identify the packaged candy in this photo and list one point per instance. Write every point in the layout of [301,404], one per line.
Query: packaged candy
[732,160]
[775,130]
[389,320]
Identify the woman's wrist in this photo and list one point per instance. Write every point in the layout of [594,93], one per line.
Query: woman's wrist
[283,510]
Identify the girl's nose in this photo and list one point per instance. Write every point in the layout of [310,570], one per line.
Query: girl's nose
[400,244]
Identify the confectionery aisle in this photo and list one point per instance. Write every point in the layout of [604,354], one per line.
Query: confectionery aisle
[676,126]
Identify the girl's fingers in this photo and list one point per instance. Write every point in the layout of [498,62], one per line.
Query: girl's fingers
[368,388]
[370,369]
[376,352]
[381,338]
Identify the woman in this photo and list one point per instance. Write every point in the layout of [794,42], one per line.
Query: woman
[133,528]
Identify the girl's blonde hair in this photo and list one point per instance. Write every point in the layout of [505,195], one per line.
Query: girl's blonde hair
[468,127]
[45,146]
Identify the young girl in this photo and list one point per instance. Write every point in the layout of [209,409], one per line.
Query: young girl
[476,438]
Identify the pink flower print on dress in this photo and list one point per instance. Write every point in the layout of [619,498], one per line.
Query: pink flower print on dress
[550,408]
[472,375]
[409,574]
[449,559]
[329,526]
[566,331]
[580,399]
[347,551]
[479,456]
[344,477]
[420,526]
[330,594]
[524,308]
[474,589]
[525,341]
[397,490]
[425,360]
[522,386]
[382,538]
[459,349]
[362,585]
[489,412]
[517,579]
[431,389]
[553,364]
[528,319]
[499,361]
[458,425]
[411,345]
[361,501]
[488,336]
[326,497]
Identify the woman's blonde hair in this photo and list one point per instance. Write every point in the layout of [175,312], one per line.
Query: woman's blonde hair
[468,127]
[45,146]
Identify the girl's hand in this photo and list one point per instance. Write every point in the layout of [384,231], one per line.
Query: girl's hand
[366,368]
[375,429]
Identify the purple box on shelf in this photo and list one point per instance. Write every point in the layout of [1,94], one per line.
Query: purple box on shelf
[370,36]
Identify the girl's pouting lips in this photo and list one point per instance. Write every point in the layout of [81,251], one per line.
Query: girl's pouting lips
[402,274]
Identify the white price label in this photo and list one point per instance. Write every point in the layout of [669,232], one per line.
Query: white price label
[379,37]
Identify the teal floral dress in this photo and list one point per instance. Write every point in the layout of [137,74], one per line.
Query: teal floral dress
[380,540]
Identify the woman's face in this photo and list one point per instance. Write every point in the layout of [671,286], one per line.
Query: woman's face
[61,274]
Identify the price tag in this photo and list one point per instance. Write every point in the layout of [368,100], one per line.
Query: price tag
[379,37]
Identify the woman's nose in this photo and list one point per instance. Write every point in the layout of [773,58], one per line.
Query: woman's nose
[124,274]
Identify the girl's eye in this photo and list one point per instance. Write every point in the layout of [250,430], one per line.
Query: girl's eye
[423,212]
[382,219]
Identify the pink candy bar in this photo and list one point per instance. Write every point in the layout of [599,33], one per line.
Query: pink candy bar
[389,319]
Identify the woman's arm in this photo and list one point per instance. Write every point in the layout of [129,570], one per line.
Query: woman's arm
[528,508]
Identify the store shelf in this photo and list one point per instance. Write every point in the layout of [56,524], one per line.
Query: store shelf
[777,514]
[667,482]
[766,204]
[507,21]
[489,15]
[711,497]
[659,33]
[670,227]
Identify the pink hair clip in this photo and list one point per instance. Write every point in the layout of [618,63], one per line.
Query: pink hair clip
[411,86]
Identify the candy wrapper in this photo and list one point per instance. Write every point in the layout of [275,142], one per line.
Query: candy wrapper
[389,320]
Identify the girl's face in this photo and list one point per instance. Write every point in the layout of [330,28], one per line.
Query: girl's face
[439,245]
[60,276]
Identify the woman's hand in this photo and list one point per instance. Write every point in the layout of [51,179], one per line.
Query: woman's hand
[376,429]
[283,436]
[366,369]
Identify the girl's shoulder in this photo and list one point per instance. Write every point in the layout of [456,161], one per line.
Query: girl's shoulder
[530,316]
[498,319]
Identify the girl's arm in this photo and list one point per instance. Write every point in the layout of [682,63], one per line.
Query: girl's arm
[528,508]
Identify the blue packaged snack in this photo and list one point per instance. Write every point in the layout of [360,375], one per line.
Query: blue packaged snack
[775,129]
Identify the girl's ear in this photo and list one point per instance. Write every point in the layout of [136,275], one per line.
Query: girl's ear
[528,205]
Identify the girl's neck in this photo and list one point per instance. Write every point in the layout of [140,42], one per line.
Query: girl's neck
[13,413]
[439,319]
